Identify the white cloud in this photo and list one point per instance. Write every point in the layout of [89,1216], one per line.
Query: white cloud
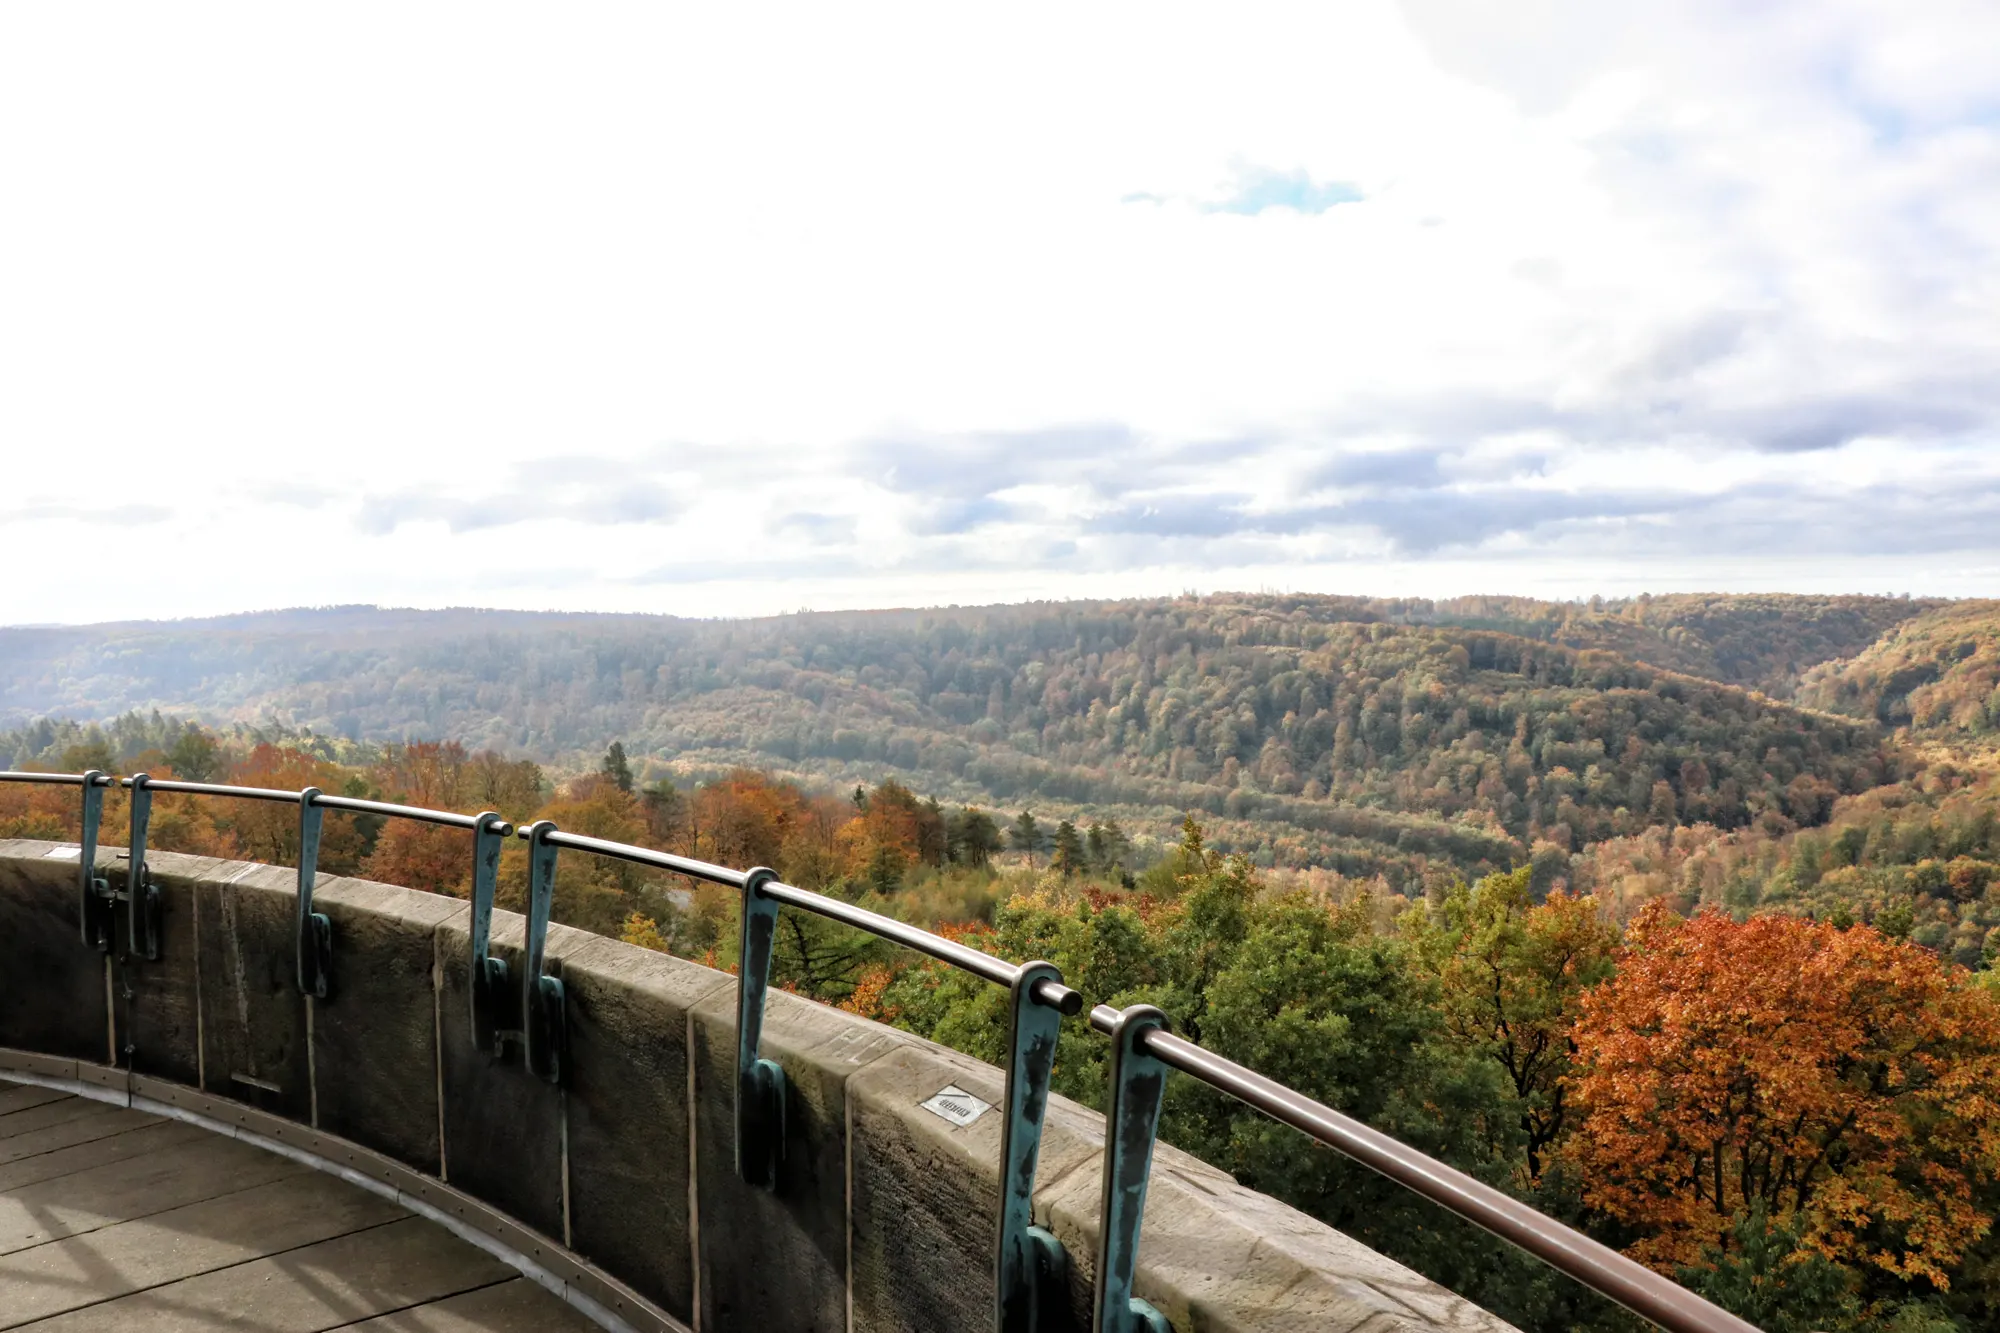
[730,310]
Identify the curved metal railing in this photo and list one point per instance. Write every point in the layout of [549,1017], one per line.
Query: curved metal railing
[1028,1258]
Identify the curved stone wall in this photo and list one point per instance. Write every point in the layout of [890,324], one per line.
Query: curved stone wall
[883,1219]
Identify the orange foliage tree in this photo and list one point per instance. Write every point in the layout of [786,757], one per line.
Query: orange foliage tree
[49,813]
[742,820]
[425,773]
[1840,1081]
[422,856]
[268,831]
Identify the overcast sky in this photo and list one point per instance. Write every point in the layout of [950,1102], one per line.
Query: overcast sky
[726,309]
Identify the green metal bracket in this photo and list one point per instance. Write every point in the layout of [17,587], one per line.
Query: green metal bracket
[93,893]
[760,1083]
[1031,1268]
[489,974]
[142,896]
[1138,1081]
[315,932]
[543,1005]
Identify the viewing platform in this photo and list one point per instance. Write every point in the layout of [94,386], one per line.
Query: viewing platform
[243,1096]
[122,1222]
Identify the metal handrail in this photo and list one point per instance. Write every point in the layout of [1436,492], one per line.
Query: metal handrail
[996,970]
[1599,1267]
[1603,1270]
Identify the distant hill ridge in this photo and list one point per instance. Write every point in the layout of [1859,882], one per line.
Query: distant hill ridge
[1364,733]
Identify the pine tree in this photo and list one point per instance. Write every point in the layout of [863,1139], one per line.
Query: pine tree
[1106,847]
[1026,835]
[1068,856]
[974,837]
[616,767]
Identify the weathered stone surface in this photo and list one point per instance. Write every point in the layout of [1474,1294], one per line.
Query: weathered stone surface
[323,1286]
[102,1195]
[26,1096]
[375,1041]
[629,1149]
[1207,1260]
[88,1122]
[52,985]
[158,1023]
[925,1191]
[252,1014]
[799,1231]
[503,1127]
[128,1145]
[518,1306]
[182,1242]
[57,1110]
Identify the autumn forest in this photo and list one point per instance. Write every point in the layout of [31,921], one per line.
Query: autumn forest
[1678,917]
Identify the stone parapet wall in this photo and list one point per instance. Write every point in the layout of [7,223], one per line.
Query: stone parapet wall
[884,1213]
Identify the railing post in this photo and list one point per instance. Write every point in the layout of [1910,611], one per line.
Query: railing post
[760,1083]
[142,899]
[1138,1081]
[1031,1268]
[543,1014]
[315,932]
[93,894]
[489,974]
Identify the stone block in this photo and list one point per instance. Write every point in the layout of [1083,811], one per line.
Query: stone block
[924,1190]
[157,1001]
[503,1126]
[53,987]
[798,1232]
[629,1147]
[253,1018]
[375,1041]
[1224,1259]
[138,1145]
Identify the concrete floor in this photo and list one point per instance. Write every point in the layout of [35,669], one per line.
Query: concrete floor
[115,1221]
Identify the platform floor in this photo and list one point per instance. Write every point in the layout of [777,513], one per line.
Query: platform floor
[115,1221]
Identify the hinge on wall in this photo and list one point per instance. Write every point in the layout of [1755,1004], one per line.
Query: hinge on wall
[544,1012]
[315,931]
[97,900]
[760,1083]
[1031,1268]
[1138,1082]
[488,982]
[142,896]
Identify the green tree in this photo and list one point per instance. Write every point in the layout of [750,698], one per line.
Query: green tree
[195,756]
[1068,854]
[616,767]
[821,959]
[85,755]
[973,837]
[1510,975]
[1026,835]
[1106,846]
[1305,993]
[933,833]
[1769,1278]
[665,810]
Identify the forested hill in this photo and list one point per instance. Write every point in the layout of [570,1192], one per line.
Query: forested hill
[1355,732]
[1937,673]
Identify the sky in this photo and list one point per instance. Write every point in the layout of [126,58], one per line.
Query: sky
[725,309]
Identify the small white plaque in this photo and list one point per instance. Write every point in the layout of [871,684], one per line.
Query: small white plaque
[956,1105]
[62,854]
